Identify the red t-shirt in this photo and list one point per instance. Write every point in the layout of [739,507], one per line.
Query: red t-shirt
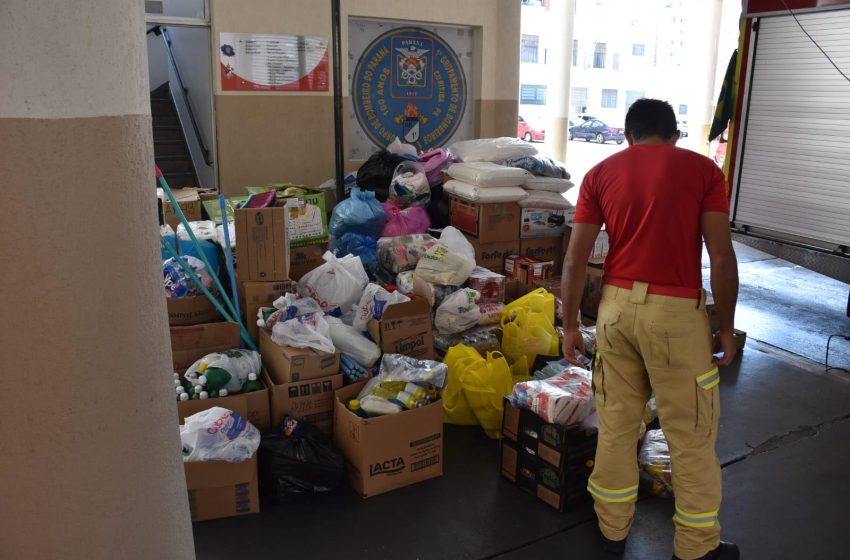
[650,198]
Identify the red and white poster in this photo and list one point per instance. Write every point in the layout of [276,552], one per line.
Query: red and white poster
[253,62]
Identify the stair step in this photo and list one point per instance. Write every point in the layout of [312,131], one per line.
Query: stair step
[182,179]
[162,107]
[166,133]
[165,119]
[175,164]
[169,148]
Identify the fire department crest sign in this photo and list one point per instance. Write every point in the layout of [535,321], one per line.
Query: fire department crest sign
[409,83]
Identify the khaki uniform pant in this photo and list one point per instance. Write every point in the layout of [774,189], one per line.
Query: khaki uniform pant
[645,343]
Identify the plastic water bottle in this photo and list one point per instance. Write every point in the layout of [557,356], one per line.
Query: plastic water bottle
[184,396]
[204,395]
[222,393]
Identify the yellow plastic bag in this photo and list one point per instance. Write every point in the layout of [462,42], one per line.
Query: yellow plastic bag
[526,332]
[456,409]
[485,385]
[539,301]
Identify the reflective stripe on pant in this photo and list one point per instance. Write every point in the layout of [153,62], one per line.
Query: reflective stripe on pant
[661,343]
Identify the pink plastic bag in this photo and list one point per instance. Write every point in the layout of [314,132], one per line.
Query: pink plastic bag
[434,162]
[405,222]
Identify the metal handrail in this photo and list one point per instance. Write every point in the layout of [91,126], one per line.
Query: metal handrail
[163,32]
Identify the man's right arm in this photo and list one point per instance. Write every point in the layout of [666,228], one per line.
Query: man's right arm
[724,279]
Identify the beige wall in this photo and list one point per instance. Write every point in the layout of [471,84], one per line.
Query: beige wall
[283,136]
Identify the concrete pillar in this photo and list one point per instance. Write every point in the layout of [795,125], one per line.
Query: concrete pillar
[558,91]
[700,121]
[89,445]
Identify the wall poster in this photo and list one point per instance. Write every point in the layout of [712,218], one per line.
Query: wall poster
[253,62]
[408,80]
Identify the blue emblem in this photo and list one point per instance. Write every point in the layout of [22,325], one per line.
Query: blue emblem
[409,83]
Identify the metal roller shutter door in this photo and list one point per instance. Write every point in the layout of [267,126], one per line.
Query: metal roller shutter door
[795,166]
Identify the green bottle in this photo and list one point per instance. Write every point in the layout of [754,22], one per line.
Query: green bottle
[253,384]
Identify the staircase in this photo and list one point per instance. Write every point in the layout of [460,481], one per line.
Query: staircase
[169,145]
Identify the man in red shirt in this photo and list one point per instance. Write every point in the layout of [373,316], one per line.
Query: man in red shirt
[658,203]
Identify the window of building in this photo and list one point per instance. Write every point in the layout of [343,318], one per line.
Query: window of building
[683,109]
[599,55]
[575,52]
[615,64]
[578,99]
[632,96]
[609,98]
[528,48]
[532,95]
[638,49]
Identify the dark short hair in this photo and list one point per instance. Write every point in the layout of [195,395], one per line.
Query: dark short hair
[651,117]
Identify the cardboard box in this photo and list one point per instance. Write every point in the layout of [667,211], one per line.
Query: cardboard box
[308,218]
[491,285]
[305,258]
[254,295]
[600,248]
[740,338]
[191,343]
[405,328]
[544,249]
[221,489]
[552,443]
[285,364]
[592,295]
[541,222]
[191,311]
[488,222]
[492,255]
[262,245]
[189,201]
[558,488]
[525,270]
[388,452]
[309,401]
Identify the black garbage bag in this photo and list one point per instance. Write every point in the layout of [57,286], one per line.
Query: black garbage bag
[438,208]
[298,460]
[376,174]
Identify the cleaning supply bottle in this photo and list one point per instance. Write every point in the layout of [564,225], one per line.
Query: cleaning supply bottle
[378,406]
[354,406]
[183,396]
[214,377]
[253,384]
[223,393]
[417,391]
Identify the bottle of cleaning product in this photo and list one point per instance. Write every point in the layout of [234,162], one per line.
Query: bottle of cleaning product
[378,406]
[354,406]
[418,392]
[403,398]
[184,396]
[204,395]
[253,384]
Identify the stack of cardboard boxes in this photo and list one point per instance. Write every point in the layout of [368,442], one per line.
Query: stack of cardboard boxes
[549,461]
[529,240]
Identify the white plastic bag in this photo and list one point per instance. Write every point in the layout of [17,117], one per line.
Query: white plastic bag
[218,434]
[565,399]
[203,230]
[484,194]
[335,285]
[550,184]
[456,242]
[486,174]
[545,199]
[287,306]
[372,304]
[228,369]
[306,331]
[231,231]
[439,265]
[492,149]
[400,148]
[458,312]
[349,340]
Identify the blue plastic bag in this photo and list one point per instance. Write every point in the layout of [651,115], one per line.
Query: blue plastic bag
[361,245]
[361,213]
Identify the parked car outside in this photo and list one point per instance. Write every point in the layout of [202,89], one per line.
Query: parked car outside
[528,132]
[598,131]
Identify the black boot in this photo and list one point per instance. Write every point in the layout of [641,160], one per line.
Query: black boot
[609,546]
[726,551]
